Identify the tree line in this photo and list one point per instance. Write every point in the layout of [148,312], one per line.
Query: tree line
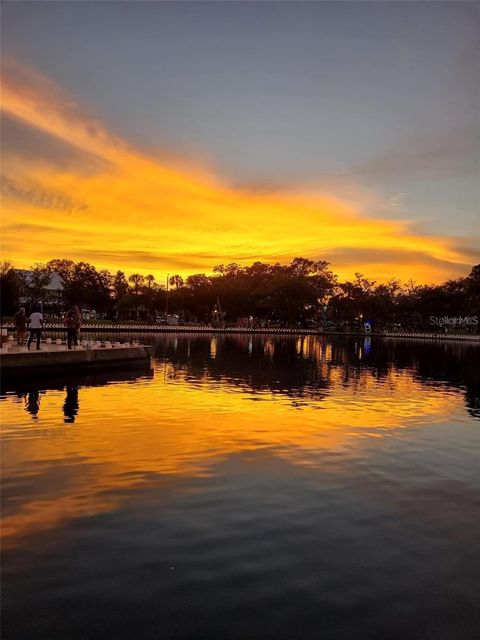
[301,293]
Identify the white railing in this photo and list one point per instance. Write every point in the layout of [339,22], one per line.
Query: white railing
[155,328]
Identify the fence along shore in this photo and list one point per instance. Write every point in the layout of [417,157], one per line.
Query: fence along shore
[204,328]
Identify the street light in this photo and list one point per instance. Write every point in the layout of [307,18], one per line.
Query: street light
[166,298]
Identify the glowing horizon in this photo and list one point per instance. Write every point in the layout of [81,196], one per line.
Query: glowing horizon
[119,207]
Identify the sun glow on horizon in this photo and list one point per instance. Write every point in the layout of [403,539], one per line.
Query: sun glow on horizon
[119,208]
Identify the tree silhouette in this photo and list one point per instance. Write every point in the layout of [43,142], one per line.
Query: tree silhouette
[137,281]
[176,281]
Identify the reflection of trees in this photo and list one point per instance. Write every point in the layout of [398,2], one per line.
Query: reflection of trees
[241,359]
[307,366]
[450,364]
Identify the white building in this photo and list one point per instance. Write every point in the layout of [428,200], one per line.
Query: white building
[54,291]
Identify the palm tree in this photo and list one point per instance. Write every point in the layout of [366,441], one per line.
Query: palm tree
[137,281]
[176,281]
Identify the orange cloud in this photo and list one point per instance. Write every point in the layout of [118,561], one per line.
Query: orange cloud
[136,212]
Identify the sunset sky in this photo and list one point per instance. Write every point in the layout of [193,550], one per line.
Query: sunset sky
[170,137]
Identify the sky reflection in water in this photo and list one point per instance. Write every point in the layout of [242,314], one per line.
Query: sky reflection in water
[251,487]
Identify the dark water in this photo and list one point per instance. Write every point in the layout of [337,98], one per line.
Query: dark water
[249,488]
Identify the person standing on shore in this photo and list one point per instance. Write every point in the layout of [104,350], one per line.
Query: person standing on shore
[69,323]
[36,325]
[21,326]
[77,322]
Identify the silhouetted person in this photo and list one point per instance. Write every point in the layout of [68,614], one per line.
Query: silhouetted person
[69,323]
[33,402]
[36,324]
[21,325]
[77,320]
[70,407]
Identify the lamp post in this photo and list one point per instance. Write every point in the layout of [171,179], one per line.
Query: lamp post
[166,298]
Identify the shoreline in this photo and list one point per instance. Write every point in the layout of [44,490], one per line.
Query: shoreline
[52,358]
[207,329]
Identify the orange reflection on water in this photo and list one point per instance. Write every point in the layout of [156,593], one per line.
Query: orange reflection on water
[129,435]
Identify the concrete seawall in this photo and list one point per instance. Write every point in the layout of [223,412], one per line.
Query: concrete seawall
[50,360]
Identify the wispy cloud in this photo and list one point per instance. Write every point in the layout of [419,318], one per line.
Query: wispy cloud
[441,154]
[139,212]
[397,200]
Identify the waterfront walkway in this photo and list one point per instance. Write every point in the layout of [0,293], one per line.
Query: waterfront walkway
[51,357]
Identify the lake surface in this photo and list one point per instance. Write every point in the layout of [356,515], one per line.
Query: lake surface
[247,488]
